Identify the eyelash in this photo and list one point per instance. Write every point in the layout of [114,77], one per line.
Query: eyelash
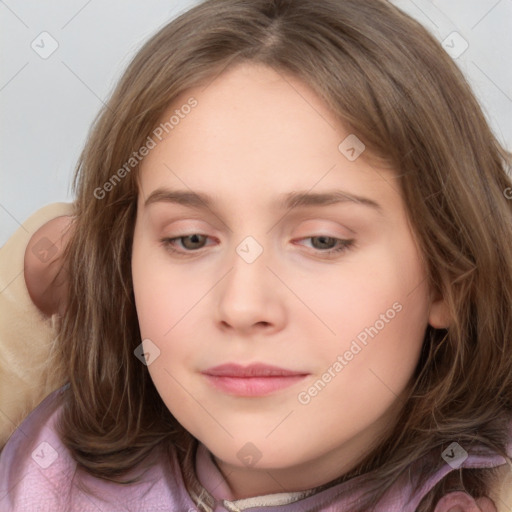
[343,245]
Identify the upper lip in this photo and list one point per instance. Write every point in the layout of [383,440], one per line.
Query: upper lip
[252,370]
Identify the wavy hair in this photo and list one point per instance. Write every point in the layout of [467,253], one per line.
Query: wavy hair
[391,83]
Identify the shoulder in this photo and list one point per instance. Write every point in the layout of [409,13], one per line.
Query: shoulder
[38,473]
[34,464]
[499,498]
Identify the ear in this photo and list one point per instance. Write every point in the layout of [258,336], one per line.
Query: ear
[439,316]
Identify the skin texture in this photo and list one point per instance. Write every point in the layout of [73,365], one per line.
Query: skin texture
[254,136]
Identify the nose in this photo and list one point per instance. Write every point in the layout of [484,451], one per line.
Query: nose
[250,298]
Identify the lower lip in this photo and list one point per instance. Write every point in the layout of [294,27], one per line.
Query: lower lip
[253,386]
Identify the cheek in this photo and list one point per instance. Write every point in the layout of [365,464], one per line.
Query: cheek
[369,290]
[378,309]
[162,296]
[162,303]
[388,320]
[380,333]
[165,300]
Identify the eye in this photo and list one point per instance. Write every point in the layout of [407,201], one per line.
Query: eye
[189,243]
[324,245]
[329,245]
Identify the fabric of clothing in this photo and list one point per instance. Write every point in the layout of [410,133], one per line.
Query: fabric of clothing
[38,474]
[25,333]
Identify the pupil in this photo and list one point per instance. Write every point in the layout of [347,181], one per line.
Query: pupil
[194,239]
[324,241]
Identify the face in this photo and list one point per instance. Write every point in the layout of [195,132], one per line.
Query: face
[262,244]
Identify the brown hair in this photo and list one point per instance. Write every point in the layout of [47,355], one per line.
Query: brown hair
[390,82]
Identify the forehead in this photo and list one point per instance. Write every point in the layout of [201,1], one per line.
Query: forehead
[254,130]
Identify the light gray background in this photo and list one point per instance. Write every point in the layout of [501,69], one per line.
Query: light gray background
[47,105]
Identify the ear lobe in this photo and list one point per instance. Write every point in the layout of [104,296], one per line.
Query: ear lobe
[439,317]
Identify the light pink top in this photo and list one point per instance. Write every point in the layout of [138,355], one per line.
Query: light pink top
[38,474]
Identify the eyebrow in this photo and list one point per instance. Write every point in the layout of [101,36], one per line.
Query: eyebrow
[300,199]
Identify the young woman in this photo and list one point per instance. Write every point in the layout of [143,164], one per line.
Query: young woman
[289,281]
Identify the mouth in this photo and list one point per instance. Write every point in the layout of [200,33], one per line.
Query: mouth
[254,380]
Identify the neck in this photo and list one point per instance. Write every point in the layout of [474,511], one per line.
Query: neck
[325,470]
